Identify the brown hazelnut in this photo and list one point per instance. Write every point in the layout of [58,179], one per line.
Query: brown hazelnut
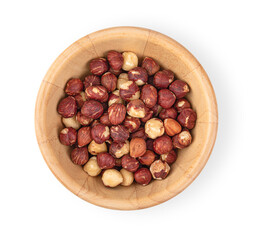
[162,79]
[131,123]
[79,156]
[129,91]
[140,133]
[181,104]
[136,108]
[149,143]
[166,98]
[92,80]
[117,113]
[67,136]
[159,169]
[100,133]
[182,140]
[83,120]
[154,128]
[187,118]
[95,148]
[98,66]
[123,78]
[148,115]
[172,127]
[137,147]
[112,178]
[168,113]
[156,110]
[129,163]
[92,109]
[74,86]
[109,81]
[115,59]
[147,158]
[84,136]
[149,95]
[105,160]
[130,60]
[92,168]
[169,157]
[163,145]
[104,119]
[71,122]
[128,177]
[119,133]
[143,176]
[98,93]
[150,65]
[118,150]
[138,75]
[80,99]
[115,98]
[179,88]
[67,107]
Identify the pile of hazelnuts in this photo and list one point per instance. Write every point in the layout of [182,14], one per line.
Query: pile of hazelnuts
[126,122]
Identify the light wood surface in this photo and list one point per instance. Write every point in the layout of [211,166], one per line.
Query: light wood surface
[73,62]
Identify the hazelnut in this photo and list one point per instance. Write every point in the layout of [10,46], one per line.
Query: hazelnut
[79,156]
[115,59]
[140,133]
[187,118]
[148,115]
[166,98]
[123,77]
[137,147]
[117,113]
[74,86]
[67,107]
[162,79]
[181,104]
[128,177]
[118,162]
[129,91]
[156,110]
[179,88]
[100,133]
[98,93]
[115,98]
[67,136]
[105,160]
[143,176]
[95,148]
[159,169]
[84,136]
[130,60]
[182,140]
[132,124]
[115,72]
[92,109]
[149,143]
[147,158]
[104,119]
[71,122]
[109,81]
[117,150]
[80,99]
[119,133]
[138,75]
[95,122]
[154,128]
[168,113]
[83,120]
[172,127]
[163,145]
[149,95]
[150,65]
[136,108]
[91,80]
[129,163]
[112,178]
[98,66]
[169,157]
[92,168]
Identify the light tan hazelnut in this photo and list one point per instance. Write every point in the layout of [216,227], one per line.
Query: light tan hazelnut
[128,177]
[71,122]
[130,60]
[123,77]
[154,128]
[91,167]
[112,178]
[95,148]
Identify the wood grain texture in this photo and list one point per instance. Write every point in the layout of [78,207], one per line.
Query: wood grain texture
[73,62]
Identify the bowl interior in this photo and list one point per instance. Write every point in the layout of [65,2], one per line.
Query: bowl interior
[73,62]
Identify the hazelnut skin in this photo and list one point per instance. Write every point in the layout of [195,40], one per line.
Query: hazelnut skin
[179,88]
[80,99]
[128,177]
[92,168]
[98,93]
[71,122]
[136,108]
[129,163]
[98,66]
[169,157]
[83,120]
[187,118]
[104,119]
[67,107]
[129,91]
[131,123]
[105,160]
[138,75]
[117,113]
[84,136]
[140,133]
[182,140]
[166,98]
[119,133]
[74,86]
[109,81]
[148,115]
[137,147]
[143,176]
[149,95]
[100,133]
[92,80]
[154,128]
[115,98]
[115,60]
[67,136]
[147,158]
[159,169]
[130,60]
[79,156]
[162,79]
[112,178]
[168,113]
[95,148]
[92,109]
[163,145]
[150,65]
[181,104]
[118,150]
[172,127]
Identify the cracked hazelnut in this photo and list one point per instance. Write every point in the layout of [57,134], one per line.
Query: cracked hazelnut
[148,115]
[129,163]
[150,65]
[112,178]
[100,133]
[71,122]
[147,158]
[128,177]
[105,160]
[138,75]
[130,60]
[115,59]
[92,109]
[156,110]
[162,79]
[92,80]
[92,168]
[154,128]
[117,113]
[163,145]
[172,127]
[83,120]
[74,86]
[80,99]
[166,98]
[140,133]
[67,136]
[187,118]
[182,140]
[131,123]
[79,156]
[149,95]
[104,119]
[137,147]
[143,176]
[115,98]
[179,88]
[119,133]
[98,66]
[159,169]
[181,104]
[136,108]
[84,136]
[109,81]
[168,113]
[123,77]
[67,107]
[95,148]
[169,157]
[129,91]
[98,93]
[117,150]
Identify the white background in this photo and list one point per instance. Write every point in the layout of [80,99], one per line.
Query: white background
[222,203]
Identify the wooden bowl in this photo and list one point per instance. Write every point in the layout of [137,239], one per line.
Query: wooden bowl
[73,62]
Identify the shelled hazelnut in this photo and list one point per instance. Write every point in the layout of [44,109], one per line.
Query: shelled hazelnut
[150,65]
[136,108]
[120,149]
[92,109]
[98,93]
[67,107]
[80,99]
[154,128]
[74,86]
[130,60]
[119,133]
[143,176]
[129,91]
[67,136]
[169,157]
[179,88]
[138,75]
[92,167]
[149,95]
[159,169]
[128,177]
[95,148]
[147,158]
[100,133]
[115,60]
[98,66]
[84,136]
[182,140]
[163,145]
[91,80]
[105,160]
[117,113]
[138,147]
[181,104]
[132,124]
[115,98]
[112,178]
[71,122]
[79,156]
[129,163]
[109,81]
[187,118]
